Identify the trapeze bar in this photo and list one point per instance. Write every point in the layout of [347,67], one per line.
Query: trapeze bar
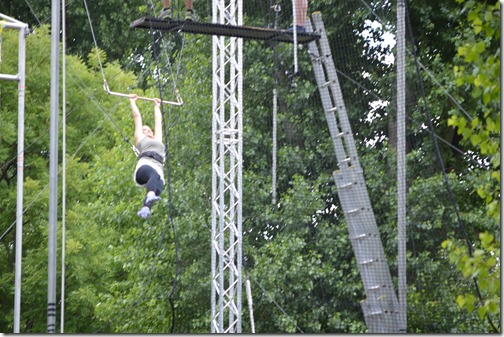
[178,103]
[246,32]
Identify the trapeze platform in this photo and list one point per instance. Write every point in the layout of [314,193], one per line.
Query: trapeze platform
[246,32]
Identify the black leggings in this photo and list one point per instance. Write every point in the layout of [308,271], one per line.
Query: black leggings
[147,176]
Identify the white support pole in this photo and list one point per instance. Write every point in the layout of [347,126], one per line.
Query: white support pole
[251,306]
[294,33]
[277,10]
[23,31]
[53,169]
[401,163]
[63,163]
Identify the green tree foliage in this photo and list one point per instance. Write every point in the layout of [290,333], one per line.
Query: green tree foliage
[89,135]
[483,266]
[109,19]
[477,71]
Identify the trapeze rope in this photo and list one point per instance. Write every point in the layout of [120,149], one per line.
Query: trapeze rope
[169,190]
[11,227]
[103,75]
[168,175]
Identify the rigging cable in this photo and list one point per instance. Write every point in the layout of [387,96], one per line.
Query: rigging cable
[126,139]
[169,187]
[278,305]
[443,170]
[9,162]
[11,227]
[168,173]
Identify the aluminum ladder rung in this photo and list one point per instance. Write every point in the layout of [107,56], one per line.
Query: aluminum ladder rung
[375,313]
[353,211]
[367,262]
[347,185]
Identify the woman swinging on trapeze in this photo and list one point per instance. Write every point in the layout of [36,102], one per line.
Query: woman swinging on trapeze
[149,168]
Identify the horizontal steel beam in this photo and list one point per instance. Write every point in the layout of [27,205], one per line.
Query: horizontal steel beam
[9,77]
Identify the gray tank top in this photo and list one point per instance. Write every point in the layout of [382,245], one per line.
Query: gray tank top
[148,144]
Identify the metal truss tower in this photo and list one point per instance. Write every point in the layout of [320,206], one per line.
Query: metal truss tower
[227,145]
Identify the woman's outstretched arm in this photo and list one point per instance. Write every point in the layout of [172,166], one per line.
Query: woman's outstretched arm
[137,118]
[158,121]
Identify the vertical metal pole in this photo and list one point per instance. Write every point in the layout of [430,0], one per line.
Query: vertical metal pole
[239,169]
[251,306]
[294,27]
[20,175]
[277,9]
[217,83]
[63,163]
[401,162]
[53,169]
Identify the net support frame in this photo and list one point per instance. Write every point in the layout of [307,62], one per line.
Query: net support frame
[20,77]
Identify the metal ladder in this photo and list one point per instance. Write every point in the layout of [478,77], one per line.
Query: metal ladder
[380,308]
